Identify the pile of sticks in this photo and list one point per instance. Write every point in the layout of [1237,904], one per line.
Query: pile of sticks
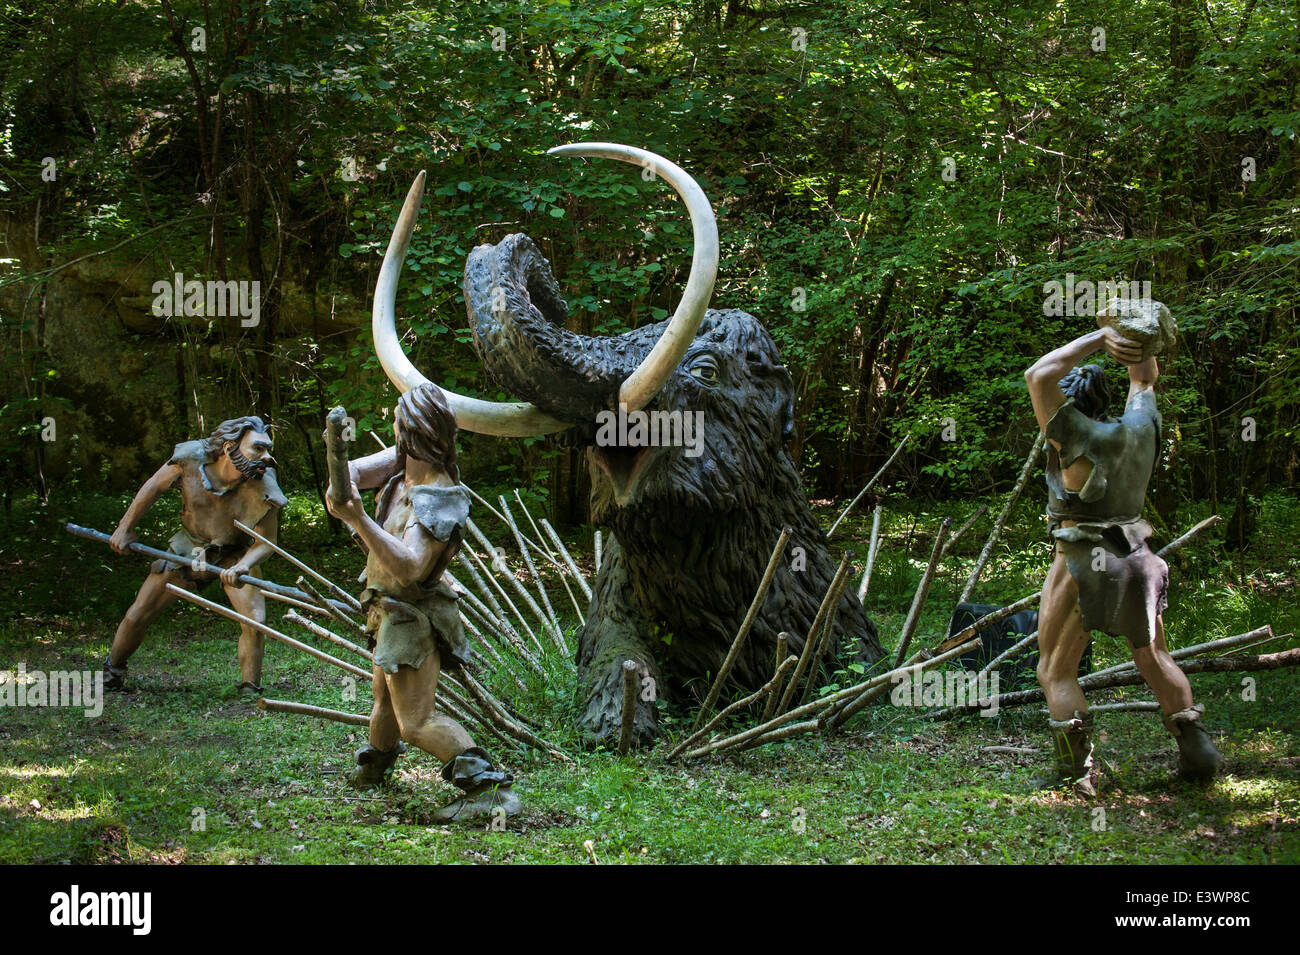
[507,640]
[780,720]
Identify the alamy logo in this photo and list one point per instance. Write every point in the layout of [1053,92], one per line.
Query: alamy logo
[954,688]
[56,688]
[1085,297]
[653,429]
[211,299]
[75,907]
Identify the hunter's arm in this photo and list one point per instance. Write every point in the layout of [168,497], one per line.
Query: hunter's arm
[144,499]
[374,469]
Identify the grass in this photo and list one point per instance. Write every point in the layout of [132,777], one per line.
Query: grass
[182,771]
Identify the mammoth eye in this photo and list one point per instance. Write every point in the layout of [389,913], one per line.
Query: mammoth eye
[705,371]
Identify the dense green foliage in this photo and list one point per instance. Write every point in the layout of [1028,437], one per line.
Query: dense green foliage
[1161,151]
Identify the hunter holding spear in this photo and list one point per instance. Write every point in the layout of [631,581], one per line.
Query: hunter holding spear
[224,478]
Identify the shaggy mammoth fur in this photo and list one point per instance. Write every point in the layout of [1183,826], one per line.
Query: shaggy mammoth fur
[693,527]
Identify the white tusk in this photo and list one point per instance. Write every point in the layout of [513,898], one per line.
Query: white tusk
[640,386]
[514,419]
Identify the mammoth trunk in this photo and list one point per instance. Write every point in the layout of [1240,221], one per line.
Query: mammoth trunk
[517,315]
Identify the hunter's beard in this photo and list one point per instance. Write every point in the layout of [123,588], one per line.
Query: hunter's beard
[252,470]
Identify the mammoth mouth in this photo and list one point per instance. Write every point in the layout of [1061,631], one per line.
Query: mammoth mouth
[624,466]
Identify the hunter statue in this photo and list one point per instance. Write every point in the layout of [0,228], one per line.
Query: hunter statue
[412,617]
[694,520]
[227,477]
[1103,574]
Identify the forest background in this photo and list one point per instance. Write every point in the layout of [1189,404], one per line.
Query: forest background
[895,184]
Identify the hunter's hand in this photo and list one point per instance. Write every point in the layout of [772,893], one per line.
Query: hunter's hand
[230,576]
[351,511]
[1123,350]
[122,540]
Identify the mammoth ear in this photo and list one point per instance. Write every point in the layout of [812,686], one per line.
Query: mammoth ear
[787,413]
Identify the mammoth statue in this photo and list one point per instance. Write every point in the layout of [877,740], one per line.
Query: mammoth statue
[694,519]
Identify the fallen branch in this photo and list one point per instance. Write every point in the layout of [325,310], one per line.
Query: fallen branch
[778,676]
[824,638]
[304,709]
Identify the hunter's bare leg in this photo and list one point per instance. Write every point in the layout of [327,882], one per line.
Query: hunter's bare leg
[1062,639]
[249,601]
[413,692]
[1199,758]
[1162,674]
[149,603]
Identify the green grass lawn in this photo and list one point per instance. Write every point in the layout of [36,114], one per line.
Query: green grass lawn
[181,770]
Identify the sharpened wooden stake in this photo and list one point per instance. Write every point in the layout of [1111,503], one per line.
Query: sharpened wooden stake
[987,552]
[335,612]
[871,553]
[768,689]
[739,641]
[922,592]
[778,676]
[627,730]
[334,588]
[269,631]
[883,468]
[313,627]
[824,638]
[805,655]
[568,559]
[761,731]
[557,634]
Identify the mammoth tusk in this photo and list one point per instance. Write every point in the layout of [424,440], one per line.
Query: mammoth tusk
[640,386]
[509,419]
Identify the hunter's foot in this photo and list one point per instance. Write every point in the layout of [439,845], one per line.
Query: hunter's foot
[114,677]
[487,802]
[247,688]
[373,766]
